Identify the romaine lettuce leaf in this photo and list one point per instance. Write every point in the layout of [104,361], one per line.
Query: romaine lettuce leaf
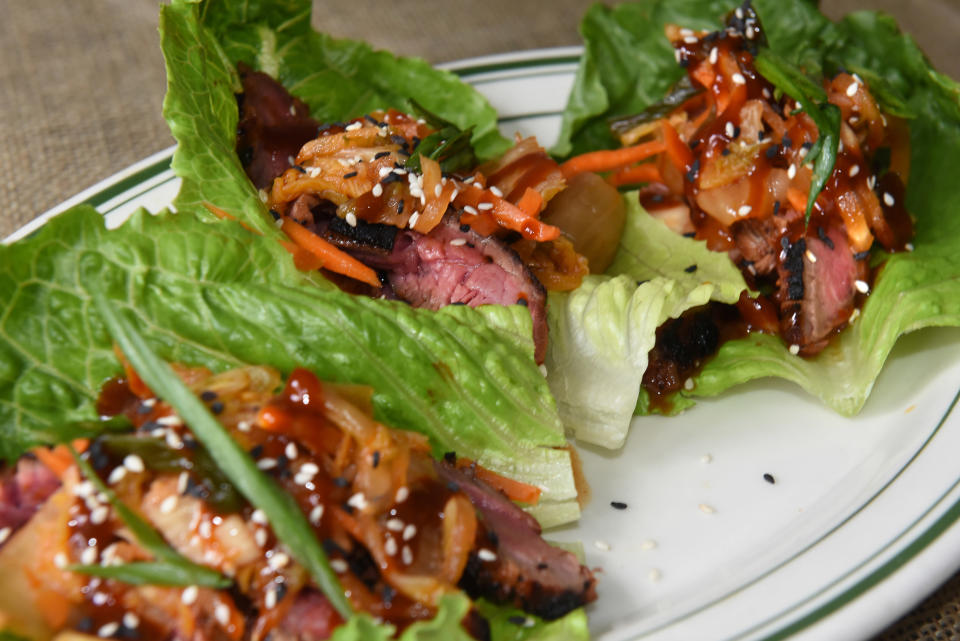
[627,64]
[338,79]
[215,295]
[600,334]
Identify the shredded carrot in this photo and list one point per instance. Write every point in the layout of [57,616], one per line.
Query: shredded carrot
[645,173]
[677,150]
[59,459]
[514,490]
[609,160]
[222,215]
[797,199]
[482,223]
[331,257]
[531,202]
[302,259]
[506,215]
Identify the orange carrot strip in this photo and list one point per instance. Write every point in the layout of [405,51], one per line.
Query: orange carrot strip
[797,199]
[531,202]
[59,459]
[677,150]
[645,173]
[506,214]
[608,160]
[331,257]
[302,259]
[222,215]
[482,223]
[514,490]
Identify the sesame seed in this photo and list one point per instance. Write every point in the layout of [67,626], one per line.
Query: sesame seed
[601,545]
[278,561]
[769,478]
[205,529]
[437,190]
[131,621]
[174,441]
[688,384]
[222,614]
[738,79]
[729,129]
[861,286]
[854,170]
[377,190]
[270,599]
[267,463]
[384,171]
[871,182]
[189,595]
[467,181]
[390,546]
[309,469]
[744,210]
[766,93]
[258,517]
[685,32]
[395,525]
[339,565]
[469,210]
[5,534]
[792,171]
[89,556]
[406,555]
[676,55]
[486,555]
[738,13]
[244,426]
[182,482]
[169,504]
[351,219]
[908,247]
[260,537]
[654,575]
[83,489]
[648,544]
[358,501]
[99,515]
[854,316]
[148,402]
[852,89]
[353,126]
[690,40]
[108,630]
[706,509]
[316,514]
[706,458]
[117,475]
[888,199]
[409,532]
[99,598]
[485,206]
[618,505]
[60,560]
[402,494]
[714,54]
[496,191]
[810,256]
[398,171]
[794,349]
[414,217]
[457,242]
[262,193]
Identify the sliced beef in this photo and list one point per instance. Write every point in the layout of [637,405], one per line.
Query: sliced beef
[758,239]
[310,618]
[23,490]
[818,296]
[273,126]
[527,572]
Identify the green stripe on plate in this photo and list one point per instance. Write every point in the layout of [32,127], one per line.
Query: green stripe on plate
[128,183]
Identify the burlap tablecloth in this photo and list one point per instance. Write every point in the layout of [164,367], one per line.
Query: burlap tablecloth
[81,84]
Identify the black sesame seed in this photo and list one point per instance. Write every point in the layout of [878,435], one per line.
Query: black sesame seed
[824,238]
[776,207]
[690,269]
[725,152]
[453,487]
[299,168]
[208,395]
[517,619]
[861,255]
[341,482]
[398,140]
[376,458]
[772,151]
[216,407]
[807,145]
[350,174]
[543,565]
[464,228]
[400,207]
[641,282]
[450,457]
[769,478]
[275,214]
[695,143]
[371,119]
[787,142]
[522,301]
[144,409]
[689,234]
[85,624]
[281,591]
[381,154]
[736,131]
[257,451]
[388,594]
[694,170]
[618,505]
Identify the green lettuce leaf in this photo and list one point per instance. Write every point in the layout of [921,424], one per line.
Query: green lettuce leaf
[214,295]
[338,79]
[628,64]
[601,333]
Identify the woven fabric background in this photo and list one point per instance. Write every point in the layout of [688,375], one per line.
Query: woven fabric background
[81,85]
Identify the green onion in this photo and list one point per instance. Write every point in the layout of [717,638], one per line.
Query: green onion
[180,570]
[791,81]
[448,145]
[152,573]
[286,519]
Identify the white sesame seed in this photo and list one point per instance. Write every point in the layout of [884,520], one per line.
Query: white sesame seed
[99,598]
[729,129]
[117,475]
[398,171]
[131,621]
[686,32]
[792,171]
[160,432]
[744,210]
[861,286]
[182,482]
[244,426]
[688,384]
[802,153]
[423,199]
[854,170]
[676,55]
[402,494]
[99,515]
[205,529]
[377,190]
[108,630]
[603,546]
[871,182]
[258,517]
[654,575]
[351,219]
[486,555]
[339,565]
[169,504]
[888,199]
[690,40]
[189,595]
[810,256]
[5,534]
[437,190]
[738,13]
[384,171]
[469,210]
[855,315]
[390,546]
[83,489]
[260,537]
[262,193]
[358,501]
[738,79]
[496,191]
[409,532]
[406,555]
[485,206]
[313,172]
[852,89]
[60,560]
[469,180]
[794,349]
[908,247]
[648,544]
[309,469]
[148,402]
[267,463]
[457,242]
[89,556]
[395,525]
[221,613]
[278,561]
[414,217]
[173,440]
[453,196]
[270,599]
[109,555]
[706,509]
[353,126]
[714,54]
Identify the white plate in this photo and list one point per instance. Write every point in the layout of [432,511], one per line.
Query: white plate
[859,526]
